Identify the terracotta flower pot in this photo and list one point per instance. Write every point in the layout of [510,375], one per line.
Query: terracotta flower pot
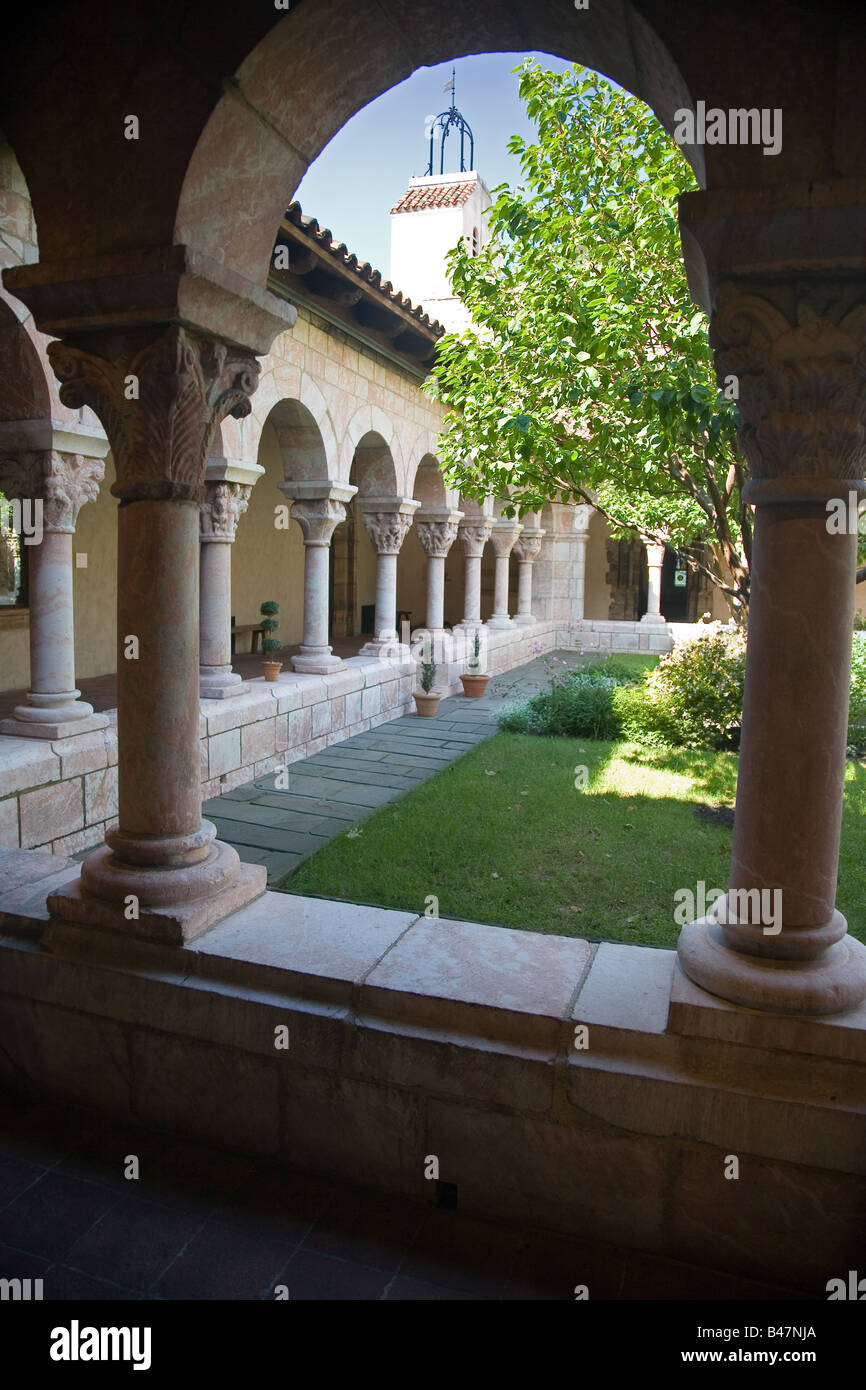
[474,685]
[271,669]
[425,704]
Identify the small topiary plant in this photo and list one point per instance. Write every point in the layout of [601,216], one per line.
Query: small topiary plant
[270,645]
[428,676]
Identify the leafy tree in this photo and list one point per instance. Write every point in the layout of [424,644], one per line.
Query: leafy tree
[588,374]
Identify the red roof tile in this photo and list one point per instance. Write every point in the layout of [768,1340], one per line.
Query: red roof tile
[442,195]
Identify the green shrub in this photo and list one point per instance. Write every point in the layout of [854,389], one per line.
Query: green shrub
[269,626]
[694,697]
[577,704]
[857,707]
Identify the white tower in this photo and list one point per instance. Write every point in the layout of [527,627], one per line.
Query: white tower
[429,220]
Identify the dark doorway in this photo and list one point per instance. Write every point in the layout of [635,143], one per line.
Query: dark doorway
[675,588]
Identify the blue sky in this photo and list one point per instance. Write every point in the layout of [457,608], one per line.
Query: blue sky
[358,177]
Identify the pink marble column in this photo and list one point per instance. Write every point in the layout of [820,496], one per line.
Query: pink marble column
[59,485]
[318,510]
[224,504]
[474,535]
[655,557]
[437,532]
[161,874]
[527,548]
[795,345]
[503,536]
[387,524]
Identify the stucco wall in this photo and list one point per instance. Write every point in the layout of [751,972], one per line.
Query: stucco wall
[267,562]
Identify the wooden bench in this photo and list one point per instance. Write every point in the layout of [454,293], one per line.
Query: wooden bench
[255,629]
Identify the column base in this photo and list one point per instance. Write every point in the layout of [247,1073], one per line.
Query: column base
[198,896]
[830,983]
[53,721]
[524,620]
[220,682]
[316,661]
[388,648]
[654,620]
[500,621]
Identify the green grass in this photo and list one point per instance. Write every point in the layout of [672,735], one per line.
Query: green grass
[503,836]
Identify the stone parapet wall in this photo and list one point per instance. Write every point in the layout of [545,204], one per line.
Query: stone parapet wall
[587,1089]
[62,795]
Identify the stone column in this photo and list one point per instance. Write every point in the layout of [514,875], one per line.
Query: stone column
[474,535]
[58,484]
[580,531]
[504,535]
[527,548]
[162,874]
[793,347]
[318,509]
[224,504]
[437,532]
[387,524]
[655,556]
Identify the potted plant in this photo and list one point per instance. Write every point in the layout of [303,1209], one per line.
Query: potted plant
[427,699]
[270,644]
[474,679]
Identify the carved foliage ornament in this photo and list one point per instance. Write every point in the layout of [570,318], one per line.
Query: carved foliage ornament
[160,406]
[801,376]
[475,536]
[223,506]
[63,483]
[318,518]
[504,537]
[387,530]
[528,547]
[437,537]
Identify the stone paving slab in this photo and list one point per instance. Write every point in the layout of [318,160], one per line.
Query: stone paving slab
[342,785]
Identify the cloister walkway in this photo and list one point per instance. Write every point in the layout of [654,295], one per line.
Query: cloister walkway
[279,825]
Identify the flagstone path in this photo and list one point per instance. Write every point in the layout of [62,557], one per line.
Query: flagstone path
[344,784]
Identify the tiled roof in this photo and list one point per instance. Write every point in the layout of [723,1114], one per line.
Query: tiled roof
[442,195]
[341,253]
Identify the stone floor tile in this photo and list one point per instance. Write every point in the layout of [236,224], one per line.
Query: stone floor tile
[310,1276]
[366,1228]
[51,1215]
[134,1243]
[223,1261]
[63,1283]
[404,1289]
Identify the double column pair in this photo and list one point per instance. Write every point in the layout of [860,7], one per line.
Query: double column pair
[53,485]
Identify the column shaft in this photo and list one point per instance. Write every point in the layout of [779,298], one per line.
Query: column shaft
[472,600]
[435,592]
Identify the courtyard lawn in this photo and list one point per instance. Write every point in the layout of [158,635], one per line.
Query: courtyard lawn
[504,836]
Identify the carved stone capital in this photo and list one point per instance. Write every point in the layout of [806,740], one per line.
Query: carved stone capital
[582,515]
[160,404]
[387,530]
[223,506]
[798,353]
[62,482]
[474,535]
[504,536]
[527,547]
[437,537]
[318,518]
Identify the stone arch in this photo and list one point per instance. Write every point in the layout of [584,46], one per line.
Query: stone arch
[290,95]
[296,407]
[25,390]
[373,470]
[302,447]
[429,485]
